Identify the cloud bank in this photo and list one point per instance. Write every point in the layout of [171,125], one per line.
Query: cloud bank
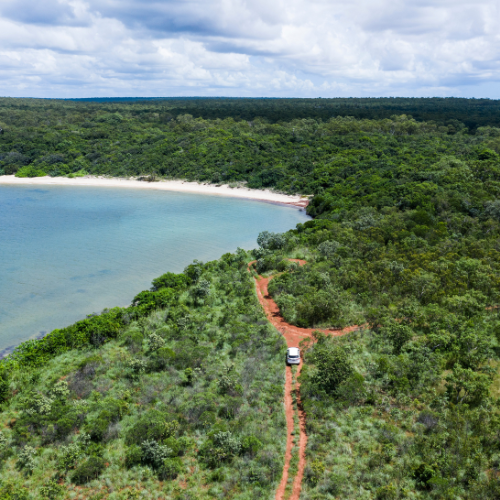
[308,48]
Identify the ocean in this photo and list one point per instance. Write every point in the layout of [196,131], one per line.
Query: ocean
[66,251]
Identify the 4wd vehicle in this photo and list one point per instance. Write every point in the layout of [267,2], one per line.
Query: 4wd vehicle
[293,356]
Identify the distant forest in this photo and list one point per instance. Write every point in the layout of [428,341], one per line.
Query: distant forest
[293,145]
[472,113]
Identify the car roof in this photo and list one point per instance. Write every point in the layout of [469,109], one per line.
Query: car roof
[293,349]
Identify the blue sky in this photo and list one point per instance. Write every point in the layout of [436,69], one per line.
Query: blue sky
[288,48]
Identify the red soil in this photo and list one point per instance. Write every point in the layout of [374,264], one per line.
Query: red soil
[293,336]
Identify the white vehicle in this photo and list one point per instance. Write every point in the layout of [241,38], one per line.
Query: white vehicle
[293,356]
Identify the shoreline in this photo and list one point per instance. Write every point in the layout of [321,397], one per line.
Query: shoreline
[163,185]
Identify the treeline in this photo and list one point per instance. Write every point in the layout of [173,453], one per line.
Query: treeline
[472,112]
[304,155]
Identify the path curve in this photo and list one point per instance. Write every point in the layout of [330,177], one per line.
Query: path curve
[293,336]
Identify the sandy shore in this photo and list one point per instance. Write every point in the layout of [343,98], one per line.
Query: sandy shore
[179,186]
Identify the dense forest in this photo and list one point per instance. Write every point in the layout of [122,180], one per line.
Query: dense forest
[180,394]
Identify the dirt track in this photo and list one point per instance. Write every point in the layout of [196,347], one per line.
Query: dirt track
[293,335]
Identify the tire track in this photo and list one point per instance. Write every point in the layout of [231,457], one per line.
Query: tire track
[293,336]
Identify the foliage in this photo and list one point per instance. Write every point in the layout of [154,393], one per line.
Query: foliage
[143,404]
[404,243]
[88,470]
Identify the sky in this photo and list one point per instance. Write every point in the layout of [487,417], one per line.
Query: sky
[250,48]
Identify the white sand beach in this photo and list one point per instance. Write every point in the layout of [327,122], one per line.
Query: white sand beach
[177,185]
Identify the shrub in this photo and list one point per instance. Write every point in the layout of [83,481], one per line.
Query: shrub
[429,419]
[217,476]
[88,470]
[147,301]
[250,445]
[161,358]
[202,289]
[170,280]
[154,454]
[221,447]
[60,390]
[423,474]
[133,456]
[11,491]
[388,492]
[30,171]
[155,342]
[332,366]
[328,248]
[170,468]
[467,386]
[52,490]
[152,425]
[137,366]
[315,471]
[4,388]
[26,459]
[271,241]
[3,441]
[334,484]
[68,457]
[352,391]
[114,409]
[398,335]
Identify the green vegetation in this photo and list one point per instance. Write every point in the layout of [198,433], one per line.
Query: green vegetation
[177,399]
[180,394]
[301,155]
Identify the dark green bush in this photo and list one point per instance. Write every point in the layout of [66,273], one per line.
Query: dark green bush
[88,470]
[152,425]
[133,456]
[332,366]
[250,445]
[170,469]
[170,280]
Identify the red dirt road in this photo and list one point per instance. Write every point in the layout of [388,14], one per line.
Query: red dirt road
[293,335]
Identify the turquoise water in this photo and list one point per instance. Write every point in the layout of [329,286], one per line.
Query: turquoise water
[66,252]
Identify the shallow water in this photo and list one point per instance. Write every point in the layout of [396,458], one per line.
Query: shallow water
[66,252]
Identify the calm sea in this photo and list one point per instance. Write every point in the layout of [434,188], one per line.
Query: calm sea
[66,252]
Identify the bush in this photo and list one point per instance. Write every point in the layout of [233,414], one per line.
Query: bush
[52,490]
[161,358]
[271,241]
[315,471]
[113,410]
[154,454]
[26,459]
[88,470]
[155,342]
[170,469]
[68,457]
[221,447]
[4,388]
[30,171]
[11,491]
[352,391]
[170,280]
[332,366]
[388,492]
[328,248]
[152,425]
[250,445]
[133,456]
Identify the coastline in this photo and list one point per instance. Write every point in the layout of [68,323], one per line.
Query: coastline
[162,185]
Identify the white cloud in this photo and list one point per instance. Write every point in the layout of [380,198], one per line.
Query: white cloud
[83,48]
